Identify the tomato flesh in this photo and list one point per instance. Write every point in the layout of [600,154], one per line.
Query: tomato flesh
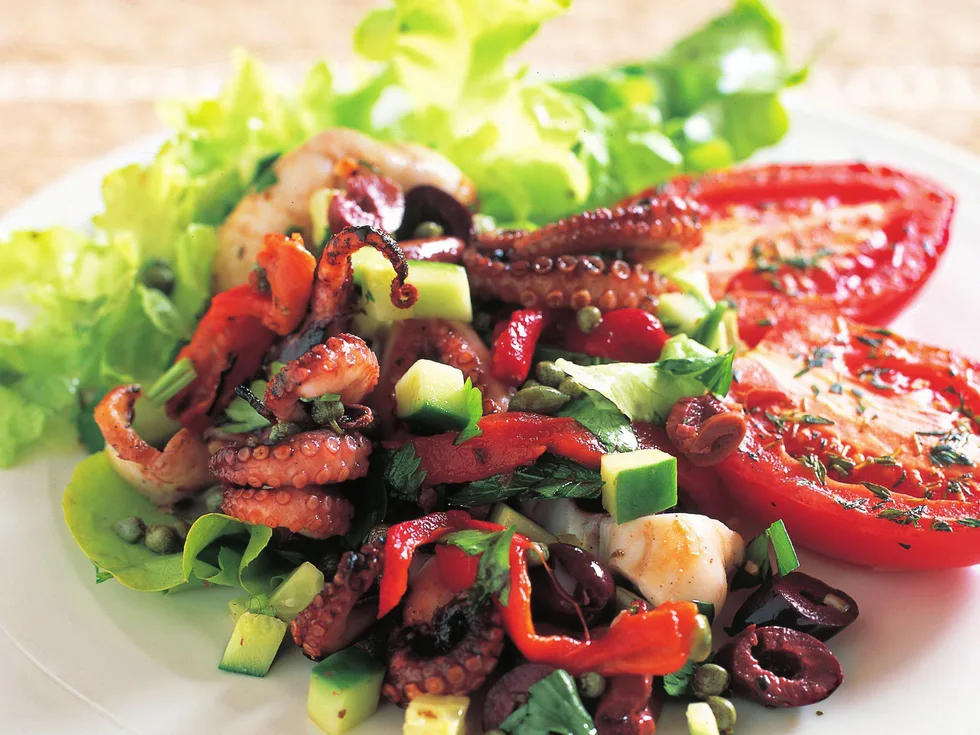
[457,568]
[863,442]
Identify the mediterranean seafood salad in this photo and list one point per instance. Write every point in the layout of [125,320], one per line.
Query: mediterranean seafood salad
[509,405]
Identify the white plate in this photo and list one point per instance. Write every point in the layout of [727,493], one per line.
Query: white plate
[87,658]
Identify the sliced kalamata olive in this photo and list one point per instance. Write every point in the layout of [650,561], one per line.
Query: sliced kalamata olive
[369,199]
[510,692]
[574,578]
[800,602]
[780,667]
[432,204]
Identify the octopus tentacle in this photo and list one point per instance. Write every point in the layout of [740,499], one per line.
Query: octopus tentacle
[318,457]
[322,627]
[654,224]
[427,660]
[344,365]
[567,281]
[452,343]
[311,511]
[333,285]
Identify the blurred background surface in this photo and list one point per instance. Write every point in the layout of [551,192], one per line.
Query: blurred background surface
[79,77]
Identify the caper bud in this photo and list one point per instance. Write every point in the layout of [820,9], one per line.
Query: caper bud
[129,529]
[591,685]
[701,639]
[538,399]
[530,383]
[426,230]
[710,681]
[588,318]
[377,534]
[327,412]
[161,539]
[182,527]
[159,275]
[549,374]
[571,388]
[724,712]
[283,430]
[213,499]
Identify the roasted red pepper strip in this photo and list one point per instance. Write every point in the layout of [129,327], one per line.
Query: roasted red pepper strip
[509,440]
[287,267]
[862,237]
[513,348]
[654,642]
[240,326]
[626,335]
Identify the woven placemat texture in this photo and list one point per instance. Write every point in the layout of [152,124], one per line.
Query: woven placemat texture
[62,101]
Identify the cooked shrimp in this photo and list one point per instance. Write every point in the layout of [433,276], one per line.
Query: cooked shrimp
[300,172]
[162,477]
[345,365]
[673,556]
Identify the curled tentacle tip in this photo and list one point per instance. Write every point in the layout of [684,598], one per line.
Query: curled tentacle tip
[403,295]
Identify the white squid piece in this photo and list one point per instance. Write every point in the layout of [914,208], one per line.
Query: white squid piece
[673,556]
[562,516]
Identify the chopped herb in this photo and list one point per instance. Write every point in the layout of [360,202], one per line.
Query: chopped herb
[809,418]
[404,474]
[885,459]
[841,465]
[817,358]
[601,416]
[757,568]
[969,522]
[869,341]
[875,380]
[905,546]
[549,477]
[836,389]
[265,173]
[945,454]
[782,547]
[553,705]
[764,323]
[707,609]
[901,479]
[907,517]
[493,573]
[879,491]
[679,683]
[819,470]
[852,504]
[882,331]
[180,375]
[938,525]
[778,421]
[816,391]
[474,411]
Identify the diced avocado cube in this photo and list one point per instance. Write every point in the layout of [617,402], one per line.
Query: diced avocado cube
[253,645]
[444,291]
[637,484]
[344,690]
[681,312]
[701,720]
[296,592]
[431,714]
[433,395]
[503,515]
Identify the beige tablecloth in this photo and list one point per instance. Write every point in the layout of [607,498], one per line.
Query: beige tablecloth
[77,76]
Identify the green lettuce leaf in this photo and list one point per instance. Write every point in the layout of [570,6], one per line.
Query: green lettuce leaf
[647,391]
[219,550]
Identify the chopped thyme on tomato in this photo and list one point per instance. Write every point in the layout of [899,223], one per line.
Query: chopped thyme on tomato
[879,466]
[858,237]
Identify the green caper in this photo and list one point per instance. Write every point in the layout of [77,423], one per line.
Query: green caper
[549,374]
[162,539]
[724,712]
[129,529]
[530,383]
[159,275]
[588,318]
[538,399]
[710,681]
[213,499]
[425,230]
[377,534]
[571,388]
[182,527]
[327,412]
[591,685]
[283,430]
[701,640]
